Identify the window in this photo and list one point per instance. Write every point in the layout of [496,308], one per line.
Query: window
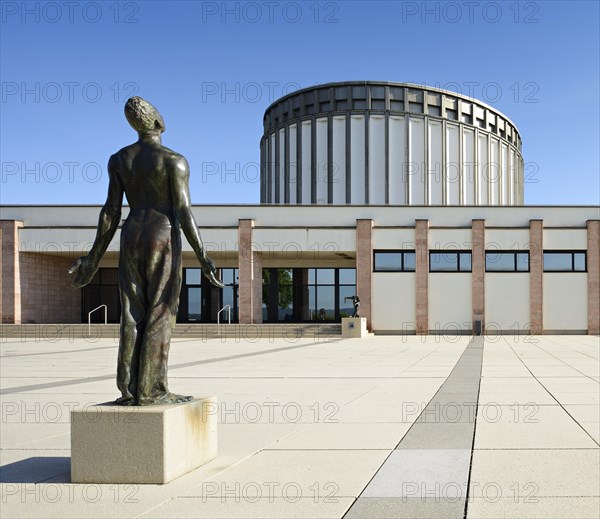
[564,261]
[394,261]
[449,261]
[500,261]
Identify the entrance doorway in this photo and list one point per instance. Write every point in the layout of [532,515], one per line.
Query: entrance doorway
[307,294]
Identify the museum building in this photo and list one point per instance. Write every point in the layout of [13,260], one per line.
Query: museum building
[410,197]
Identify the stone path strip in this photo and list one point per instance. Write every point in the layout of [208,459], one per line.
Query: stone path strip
[427,474]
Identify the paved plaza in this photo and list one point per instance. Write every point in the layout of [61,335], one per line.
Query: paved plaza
[386,426]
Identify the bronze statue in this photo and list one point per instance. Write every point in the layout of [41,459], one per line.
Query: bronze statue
[355,302]
[155,181]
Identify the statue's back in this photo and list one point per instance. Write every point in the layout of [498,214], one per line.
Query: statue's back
[144,170]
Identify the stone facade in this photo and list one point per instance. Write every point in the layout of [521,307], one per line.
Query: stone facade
[11,279]
[46,292]
[536,276]
[593,268]
[422,276]
[250,276]
[364,267]
[478,271]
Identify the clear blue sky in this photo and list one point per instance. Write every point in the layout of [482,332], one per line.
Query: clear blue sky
[212,68]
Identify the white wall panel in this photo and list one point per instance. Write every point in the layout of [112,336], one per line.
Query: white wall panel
[450,239]
[306,166]
[376,160]
[507,239]
[468,167]
[393,302]
[357,138]
[310,240]
[493,172]
[507,301]
[482,170]
[565,301]
[272,166]
[512,189]
[503,174]
[450,301]
[574,239]
[434,167]
[394,239]
[416,160]
[519,183]
[61,217]
[281,171]
[293,166]
[339,160]
[452,173]
[397,150]
[321,172]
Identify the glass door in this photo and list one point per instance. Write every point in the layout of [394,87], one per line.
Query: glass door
[194,304]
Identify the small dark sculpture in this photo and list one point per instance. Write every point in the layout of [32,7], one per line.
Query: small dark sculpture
[155,181]
[356,302]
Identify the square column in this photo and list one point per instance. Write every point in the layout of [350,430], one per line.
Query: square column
[422,276]
[250,276]
[593,276]
[536,276]
[10,292]
[364,267]
[478,272]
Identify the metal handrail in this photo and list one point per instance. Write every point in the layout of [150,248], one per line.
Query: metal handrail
[90,317]
[228,308]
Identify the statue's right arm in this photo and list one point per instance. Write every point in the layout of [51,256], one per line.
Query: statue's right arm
[110,215]
[108,222]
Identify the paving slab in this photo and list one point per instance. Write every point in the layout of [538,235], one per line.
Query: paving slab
[550,473]
[529,506]
[344,436]
[301,468]
[422,473]
[406,508]
[325,506]
[443,435]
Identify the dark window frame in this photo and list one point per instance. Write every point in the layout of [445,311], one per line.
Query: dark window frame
[572,252]
[402,253]
[458,254]
[515,262]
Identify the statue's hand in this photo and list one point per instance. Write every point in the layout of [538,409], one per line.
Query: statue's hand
[210,271]
[85,268]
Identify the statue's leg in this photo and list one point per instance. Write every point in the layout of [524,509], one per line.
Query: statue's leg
[163,270]
[132,290]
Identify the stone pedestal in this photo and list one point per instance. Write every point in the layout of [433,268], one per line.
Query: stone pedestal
[354,327]
[147,444]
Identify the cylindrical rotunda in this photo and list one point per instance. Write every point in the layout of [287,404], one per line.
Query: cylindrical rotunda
[379,143]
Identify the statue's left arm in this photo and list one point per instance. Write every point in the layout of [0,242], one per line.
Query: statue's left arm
[108,222]
[180,175]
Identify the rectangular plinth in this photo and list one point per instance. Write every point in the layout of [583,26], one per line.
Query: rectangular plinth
[142,444]
[354,327]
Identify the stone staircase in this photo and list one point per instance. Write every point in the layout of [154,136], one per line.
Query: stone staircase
[239,332]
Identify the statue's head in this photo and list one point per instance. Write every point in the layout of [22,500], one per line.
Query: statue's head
[142,116]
